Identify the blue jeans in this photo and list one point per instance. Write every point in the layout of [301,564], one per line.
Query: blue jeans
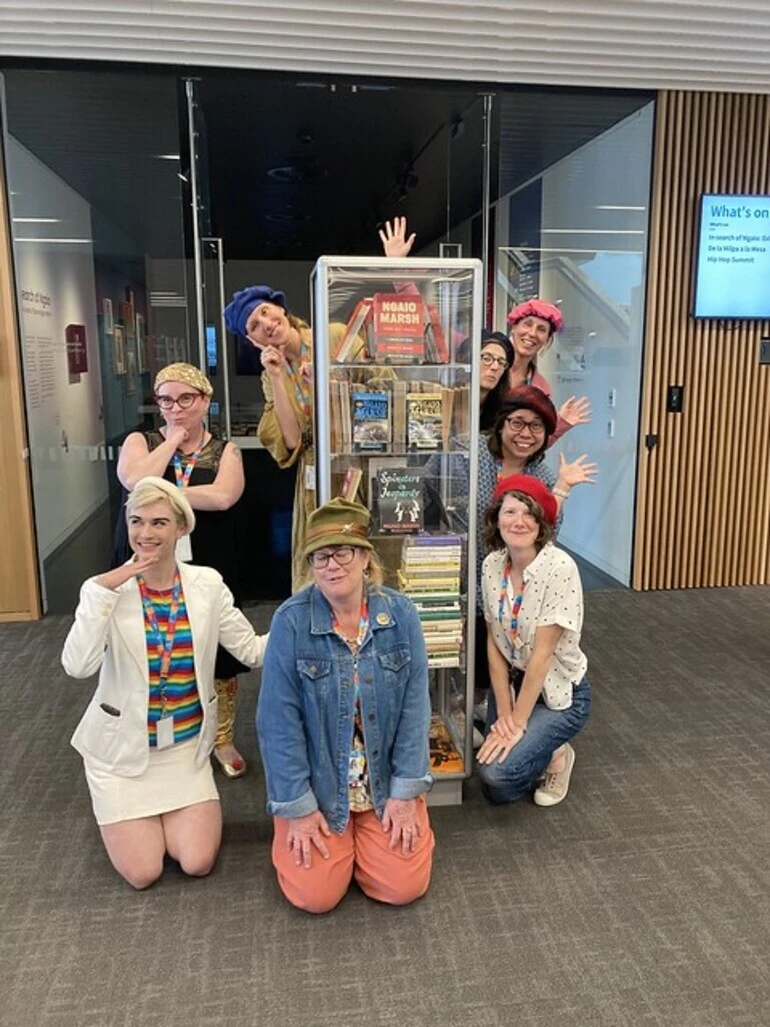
[546,731]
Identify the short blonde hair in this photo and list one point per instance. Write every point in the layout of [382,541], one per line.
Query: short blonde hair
[151,490]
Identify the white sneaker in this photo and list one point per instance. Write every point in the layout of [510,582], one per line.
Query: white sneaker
[556,785]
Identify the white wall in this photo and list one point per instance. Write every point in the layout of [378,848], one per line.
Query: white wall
[55,283]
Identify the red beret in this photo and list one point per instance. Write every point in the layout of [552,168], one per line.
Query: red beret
[532,487]
[537,308]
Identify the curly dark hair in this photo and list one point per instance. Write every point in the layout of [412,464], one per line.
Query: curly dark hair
[492,537]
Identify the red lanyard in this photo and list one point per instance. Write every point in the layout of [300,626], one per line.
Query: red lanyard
[513,629]
[163,646]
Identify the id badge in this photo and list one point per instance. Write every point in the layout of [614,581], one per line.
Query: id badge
[164,732]
[310,478]
[183,550]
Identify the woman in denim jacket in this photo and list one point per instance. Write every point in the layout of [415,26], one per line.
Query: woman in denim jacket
[342,720]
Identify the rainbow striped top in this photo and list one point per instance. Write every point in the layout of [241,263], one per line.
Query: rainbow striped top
[182,700]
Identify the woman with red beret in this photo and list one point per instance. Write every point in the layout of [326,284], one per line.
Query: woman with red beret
[533,606]
[533,325]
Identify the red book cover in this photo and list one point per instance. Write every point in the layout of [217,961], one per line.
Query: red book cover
[77,353]
[399,315]
[398,326]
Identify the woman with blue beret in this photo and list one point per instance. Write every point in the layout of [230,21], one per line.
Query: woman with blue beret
[259,314]
[342,720]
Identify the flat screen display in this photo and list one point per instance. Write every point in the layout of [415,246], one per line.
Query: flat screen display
[732,272]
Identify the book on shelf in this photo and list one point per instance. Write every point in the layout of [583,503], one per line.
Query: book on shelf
[351,484]
[417,586]
[398,327]
[370,421]
[424,420]
[400,499]
[435,340]
[400,389]
[445,758]
[354,337]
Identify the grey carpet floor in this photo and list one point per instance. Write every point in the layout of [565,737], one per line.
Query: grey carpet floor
[642,900]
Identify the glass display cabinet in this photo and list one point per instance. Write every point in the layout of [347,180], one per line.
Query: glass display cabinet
[395,365]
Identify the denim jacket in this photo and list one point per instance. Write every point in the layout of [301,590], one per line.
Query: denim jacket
[305,713]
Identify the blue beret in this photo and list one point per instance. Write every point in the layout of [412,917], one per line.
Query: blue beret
[243,302]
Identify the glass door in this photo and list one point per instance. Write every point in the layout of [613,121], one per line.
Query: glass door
[96,200]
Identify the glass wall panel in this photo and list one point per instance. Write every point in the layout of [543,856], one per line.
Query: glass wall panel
[576,234]
[95,181]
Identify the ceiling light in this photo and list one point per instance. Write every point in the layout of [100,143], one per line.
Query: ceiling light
[593,231]
[37,221]
[29,239]
[167,156]
[612,206]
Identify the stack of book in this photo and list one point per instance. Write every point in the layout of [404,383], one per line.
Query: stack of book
[430,575]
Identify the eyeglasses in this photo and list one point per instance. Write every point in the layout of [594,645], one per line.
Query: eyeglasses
[184,402]
[518,425]
[342,555]
[489,361]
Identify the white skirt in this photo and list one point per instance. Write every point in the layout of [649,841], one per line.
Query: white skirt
[170,781]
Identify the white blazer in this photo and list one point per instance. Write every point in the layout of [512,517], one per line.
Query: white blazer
[108,636]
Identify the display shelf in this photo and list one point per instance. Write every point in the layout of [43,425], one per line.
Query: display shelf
[395,362]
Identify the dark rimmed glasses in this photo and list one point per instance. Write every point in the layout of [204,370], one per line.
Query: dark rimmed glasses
[183,401]
[342,555]
[518,426]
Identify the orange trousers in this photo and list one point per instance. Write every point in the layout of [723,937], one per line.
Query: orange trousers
[361,851]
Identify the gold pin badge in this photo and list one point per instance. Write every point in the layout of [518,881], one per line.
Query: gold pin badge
[383,618]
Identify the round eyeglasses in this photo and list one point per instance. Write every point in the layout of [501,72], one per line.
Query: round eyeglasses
[489,361]
[184,401]
[518,426]
[342,555]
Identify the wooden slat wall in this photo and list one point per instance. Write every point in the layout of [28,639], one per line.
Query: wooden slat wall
[19,591]
[703,497]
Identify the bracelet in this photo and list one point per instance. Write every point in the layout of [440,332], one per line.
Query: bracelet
[560,493]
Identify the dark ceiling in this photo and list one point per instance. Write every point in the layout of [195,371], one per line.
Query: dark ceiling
[291,169]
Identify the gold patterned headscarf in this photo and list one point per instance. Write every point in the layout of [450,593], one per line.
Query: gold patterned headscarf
[187,374]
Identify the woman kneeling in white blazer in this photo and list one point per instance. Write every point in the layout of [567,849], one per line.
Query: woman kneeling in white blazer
[151,629]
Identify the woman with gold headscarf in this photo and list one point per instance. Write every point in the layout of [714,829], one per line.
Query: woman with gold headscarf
[211,473]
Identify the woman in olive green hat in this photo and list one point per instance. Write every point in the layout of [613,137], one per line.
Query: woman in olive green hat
[342,719]
[210,471]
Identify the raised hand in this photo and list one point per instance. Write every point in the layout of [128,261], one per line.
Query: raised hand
[579,472]
[400,818]
[306,832]
[575,411]
[394,239]
[273,360]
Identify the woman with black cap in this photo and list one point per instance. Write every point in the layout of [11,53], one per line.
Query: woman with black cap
[533,607]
